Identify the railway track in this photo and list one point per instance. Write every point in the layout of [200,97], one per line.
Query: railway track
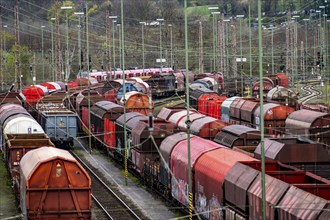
[111,205]
[169,102]
[312,93]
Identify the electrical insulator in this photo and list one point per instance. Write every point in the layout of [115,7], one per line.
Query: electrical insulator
[151,123]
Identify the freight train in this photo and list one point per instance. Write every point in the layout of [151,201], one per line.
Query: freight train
[159,156]
[157,150]
[49,182]
[279,117]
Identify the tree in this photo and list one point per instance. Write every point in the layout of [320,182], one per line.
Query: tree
[24,57]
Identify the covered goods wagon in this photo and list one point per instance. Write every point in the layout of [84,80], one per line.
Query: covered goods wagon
[54,186]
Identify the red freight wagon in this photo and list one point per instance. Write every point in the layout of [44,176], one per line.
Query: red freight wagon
[72,85]
[286,188]
[207,127]
[51,86]
[280,79]
[54,186]
[165,150]
[179,164]
[137,102]
[214,109]
[209,176]
[131,120]
[274,118]
[34,93]
[268,84]
[85,98]
[210,104]
[103,117]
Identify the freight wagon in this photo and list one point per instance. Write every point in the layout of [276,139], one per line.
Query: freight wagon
[59,123]
[16,146]
[54,186]
[290,193]
[201,125]
[301,153]
[14,119]
[310,124]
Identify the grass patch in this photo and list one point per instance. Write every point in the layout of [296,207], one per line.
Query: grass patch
[132,177]
[8,202]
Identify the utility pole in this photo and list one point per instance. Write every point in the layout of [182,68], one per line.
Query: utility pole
[124,87]
[67,53]
[234,43]
[305,48]
[250,42]
[289,46]
[52,65]
[188,122]
[119,36]
[295,53]
[272,39]
[42,53]
[220,43]
[79,40]
[58,62]
[263,168]
[226,45]
[17,59]
[142,30]
[160,20]
[113,43]
[89,93]
[171,36]
[34,69]
[108,44]
[201,52]
[302,59]
[241,52]
[2,53]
